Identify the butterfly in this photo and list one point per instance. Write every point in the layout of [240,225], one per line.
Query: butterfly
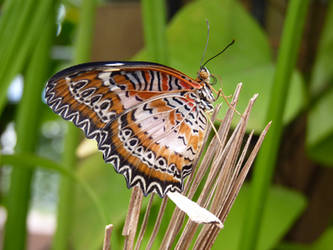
[149,120]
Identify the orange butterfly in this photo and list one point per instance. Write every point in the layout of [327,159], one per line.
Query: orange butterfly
[148,119]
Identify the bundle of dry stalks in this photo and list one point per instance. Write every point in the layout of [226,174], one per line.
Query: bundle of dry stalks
[223,169]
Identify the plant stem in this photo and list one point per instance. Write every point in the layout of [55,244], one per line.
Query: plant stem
[264,169]
[66,186]
[22,34]
[154,22]
[27,134]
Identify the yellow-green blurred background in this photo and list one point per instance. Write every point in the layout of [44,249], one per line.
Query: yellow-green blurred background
[53,198]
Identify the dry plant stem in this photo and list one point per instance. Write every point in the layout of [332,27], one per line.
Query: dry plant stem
[230,161]
[107,237]
[173,228]
[244,172]
[220,156]
[132,218]
[221,163]
[226,176]
[234,175]
[237,169]
[208,234]
[238,185]
[158,223]
[227,158]
[144,223]
[215,145]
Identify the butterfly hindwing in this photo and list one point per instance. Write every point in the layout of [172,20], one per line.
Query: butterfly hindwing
[156,144]
[144,116]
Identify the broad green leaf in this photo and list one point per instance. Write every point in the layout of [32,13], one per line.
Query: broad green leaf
[114,196]
[282,209]
[249,60]
[19,160]
[320,119]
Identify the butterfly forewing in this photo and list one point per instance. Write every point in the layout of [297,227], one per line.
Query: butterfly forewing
[144,116]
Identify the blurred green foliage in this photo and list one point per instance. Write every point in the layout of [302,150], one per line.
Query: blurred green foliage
[249,60]
[65,211]
[100,191]
[320,121]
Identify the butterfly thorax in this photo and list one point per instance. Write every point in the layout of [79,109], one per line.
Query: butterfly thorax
[205,93]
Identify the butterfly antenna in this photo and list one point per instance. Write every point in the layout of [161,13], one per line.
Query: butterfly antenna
[205,50]
[226,47]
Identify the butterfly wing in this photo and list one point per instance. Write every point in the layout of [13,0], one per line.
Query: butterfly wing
[145,117]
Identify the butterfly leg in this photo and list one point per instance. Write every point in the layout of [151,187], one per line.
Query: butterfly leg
[228,103]
[221,93]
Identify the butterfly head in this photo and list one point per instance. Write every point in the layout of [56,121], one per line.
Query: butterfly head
[204,75]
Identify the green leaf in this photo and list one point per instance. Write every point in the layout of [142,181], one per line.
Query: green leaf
[292,246]
[323,243]
[249,60]
[320,130]
[282,209]
[111,191]
[19,160]
[320,120]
